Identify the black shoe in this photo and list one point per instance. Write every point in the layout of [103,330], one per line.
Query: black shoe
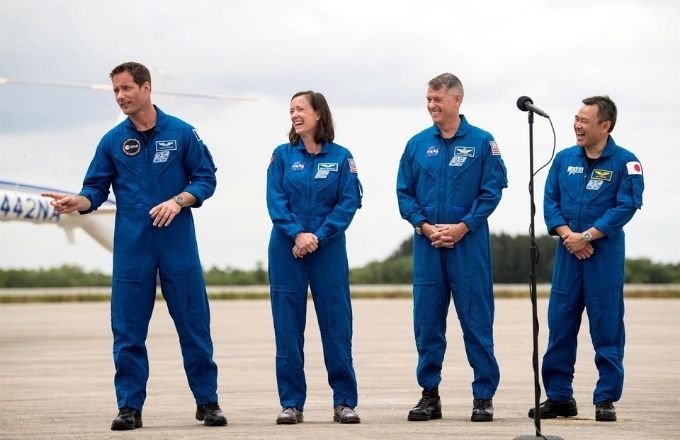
[551,409]
[345,414]
[126,419]
[289,416]
[605,411]
[429,407]
[210,414]
[482,410]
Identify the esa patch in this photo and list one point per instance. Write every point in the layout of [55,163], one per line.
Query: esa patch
[594,184]
[161,156]
[602,175]
[457,161]
[432,151]
[297,166]
[464,152]
[166,145]
[132,147]
[634,168]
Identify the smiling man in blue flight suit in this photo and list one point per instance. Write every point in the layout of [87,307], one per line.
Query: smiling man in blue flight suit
[158,167]
[450,180]
[593,189]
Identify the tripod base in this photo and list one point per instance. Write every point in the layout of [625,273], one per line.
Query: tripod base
[533,437]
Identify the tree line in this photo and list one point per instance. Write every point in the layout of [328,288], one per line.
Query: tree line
[510,254]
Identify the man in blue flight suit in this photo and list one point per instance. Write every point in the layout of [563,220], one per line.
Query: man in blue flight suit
[158,168]
[313,192]
[593,189]
[450,180]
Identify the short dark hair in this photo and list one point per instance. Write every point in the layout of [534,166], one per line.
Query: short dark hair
[140,74]
[448,80]
[324,129]
[606,109]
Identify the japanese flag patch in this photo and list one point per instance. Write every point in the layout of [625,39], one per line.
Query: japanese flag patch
[634,168]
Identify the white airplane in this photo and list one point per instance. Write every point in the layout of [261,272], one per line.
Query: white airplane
[23,203]
[20,202]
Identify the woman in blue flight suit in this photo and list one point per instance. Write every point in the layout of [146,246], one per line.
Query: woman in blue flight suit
[313,192]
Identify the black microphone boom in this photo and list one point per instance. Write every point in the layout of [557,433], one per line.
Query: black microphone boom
[526,104]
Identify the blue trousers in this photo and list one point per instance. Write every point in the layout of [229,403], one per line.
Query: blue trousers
[140,256]
[595,284]
[464,274]
[326,273]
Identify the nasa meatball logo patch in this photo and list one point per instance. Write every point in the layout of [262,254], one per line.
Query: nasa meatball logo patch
[132,147]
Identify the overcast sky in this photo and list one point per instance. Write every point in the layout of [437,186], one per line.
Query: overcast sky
[372,60]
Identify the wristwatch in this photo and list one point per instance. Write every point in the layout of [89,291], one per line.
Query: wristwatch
[180,200]
[587,236]
[419,228]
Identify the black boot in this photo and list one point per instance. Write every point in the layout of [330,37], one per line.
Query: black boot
[429,407]
[126,419]
[605,411]
[552,408]
[210,414]
[482,410]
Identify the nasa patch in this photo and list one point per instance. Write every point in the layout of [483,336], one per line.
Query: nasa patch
[132,147]
[432,151]
[297,166]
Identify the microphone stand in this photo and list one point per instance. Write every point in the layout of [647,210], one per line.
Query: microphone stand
[532,293]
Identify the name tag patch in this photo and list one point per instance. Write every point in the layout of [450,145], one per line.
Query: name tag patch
[464,151]
[166,145]
[328,167]
[602,175]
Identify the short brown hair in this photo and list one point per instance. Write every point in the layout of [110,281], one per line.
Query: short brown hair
[140,74]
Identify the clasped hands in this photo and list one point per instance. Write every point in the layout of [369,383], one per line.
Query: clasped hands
[577,246]
[305,243]
[445,235]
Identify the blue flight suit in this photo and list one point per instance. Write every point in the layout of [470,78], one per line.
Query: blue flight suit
[440,181]
[318,194]
[604,196]
[145,169]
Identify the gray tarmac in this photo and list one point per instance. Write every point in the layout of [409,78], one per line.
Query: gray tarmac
[56,376]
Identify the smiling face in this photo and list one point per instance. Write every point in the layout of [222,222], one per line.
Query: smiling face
[131,98]
[303,116]
[590,131]
[443,105]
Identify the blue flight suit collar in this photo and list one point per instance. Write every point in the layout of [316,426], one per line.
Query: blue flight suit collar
[463,129]
[161,120]
[609,149]
[299,145]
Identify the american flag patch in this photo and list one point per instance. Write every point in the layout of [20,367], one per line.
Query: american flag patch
[494,148]
[352,166]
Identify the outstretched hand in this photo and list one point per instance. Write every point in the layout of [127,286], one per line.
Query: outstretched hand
[67,203]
